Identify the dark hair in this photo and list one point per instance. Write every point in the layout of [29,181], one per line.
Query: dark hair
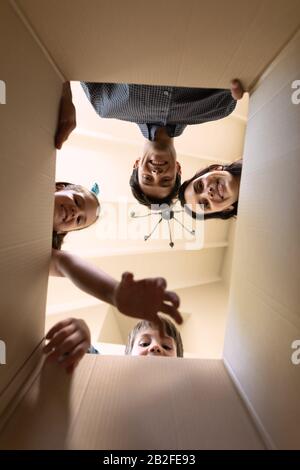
[170,330]
[148,200]
[58,238]
[234,168]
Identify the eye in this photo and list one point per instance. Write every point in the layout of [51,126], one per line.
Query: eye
[144,344]
[199,187]
[205,204]
[79,220]
[167,347]
[147,178]
[77,201]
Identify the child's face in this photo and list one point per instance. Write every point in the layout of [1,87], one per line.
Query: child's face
[148,342]
[73,210]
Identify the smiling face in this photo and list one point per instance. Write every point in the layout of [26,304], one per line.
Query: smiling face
[148,342]
[74,210]
[157,169]
[216,190]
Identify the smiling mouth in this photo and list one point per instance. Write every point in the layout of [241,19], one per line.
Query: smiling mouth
[158,163]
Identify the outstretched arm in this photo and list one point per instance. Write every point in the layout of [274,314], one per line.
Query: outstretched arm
[140,299]
[66,116]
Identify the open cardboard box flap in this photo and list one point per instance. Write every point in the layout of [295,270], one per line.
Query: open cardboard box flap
[132,403]
[174,42]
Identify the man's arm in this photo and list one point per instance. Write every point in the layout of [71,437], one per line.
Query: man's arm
[66,116]
[139,299]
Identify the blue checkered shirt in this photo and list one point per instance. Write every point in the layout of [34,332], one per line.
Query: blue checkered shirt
[151,107]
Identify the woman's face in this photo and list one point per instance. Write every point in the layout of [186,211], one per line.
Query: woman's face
[73,210]
[216,190]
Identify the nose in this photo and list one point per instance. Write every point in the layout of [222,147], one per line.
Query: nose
[156,349]
[207,190]
[75,212]
[210,191]
[156,170]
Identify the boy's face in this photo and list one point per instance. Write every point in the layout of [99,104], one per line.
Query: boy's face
[148,342]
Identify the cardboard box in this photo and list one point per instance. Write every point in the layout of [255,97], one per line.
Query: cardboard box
[44,43]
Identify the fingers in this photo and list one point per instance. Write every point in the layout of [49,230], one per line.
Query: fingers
[69,341]
[154,287]
[237,90]
[71,360]
[172,312]
[59,337]
[59,139]
[58,326]
[144,298]
[160,326]
[127,277]
[63,133]
[66,120]
[172,297]
[66,347]
[71,368]
[161,282]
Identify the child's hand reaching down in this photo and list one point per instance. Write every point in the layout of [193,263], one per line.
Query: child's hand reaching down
[146,298]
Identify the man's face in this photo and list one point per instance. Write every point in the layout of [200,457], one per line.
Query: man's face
[148,342]
[73,210]
[157,171]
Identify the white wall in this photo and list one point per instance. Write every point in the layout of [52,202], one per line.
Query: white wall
[204,329]
[228,258]
[204,309]
[94,315]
